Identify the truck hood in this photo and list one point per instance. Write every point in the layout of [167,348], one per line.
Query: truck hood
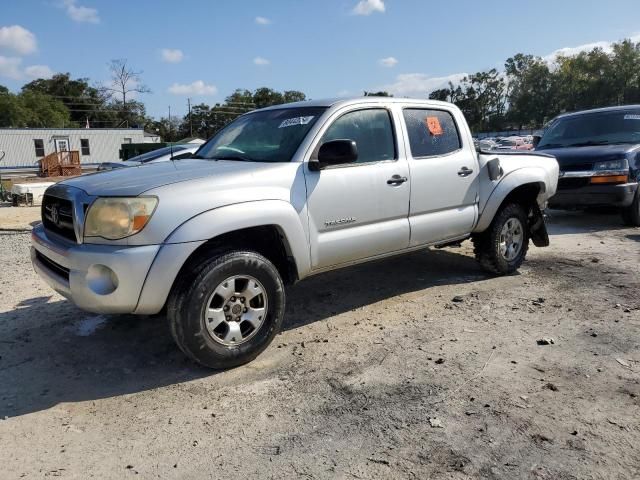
[133,181]
[573,156]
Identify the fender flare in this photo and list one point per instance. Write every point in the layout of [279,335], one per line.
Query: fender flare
[196,231]
[508,183]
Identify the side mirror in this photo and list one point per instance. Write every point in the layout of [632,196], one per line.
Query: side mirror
[536,140]
[494,169]
[335,152]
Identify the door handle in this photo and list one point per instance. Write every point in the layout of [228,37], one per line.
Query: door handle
[396,180]
[465,172]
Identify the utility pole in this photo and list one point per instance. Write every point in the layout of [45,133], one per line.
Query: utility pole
[169,122]
[190,123]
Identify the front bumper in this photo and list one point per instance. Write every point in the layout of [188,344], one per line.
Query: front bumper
[595,196]
[97,278]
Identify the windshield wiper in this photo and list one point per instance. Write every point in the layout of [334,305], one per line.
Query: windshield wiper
[589,143]
[242,158]
[551,145]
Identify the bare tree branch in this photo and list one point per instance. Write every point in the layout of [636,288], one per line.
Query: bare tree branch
[125,80]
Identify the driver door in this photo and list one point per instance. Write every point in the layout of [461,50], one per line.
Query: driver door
[359,210]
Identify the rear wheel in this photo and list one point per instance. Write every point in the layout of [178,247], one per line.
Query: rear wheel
[631,214]
[502,248]
[225,310]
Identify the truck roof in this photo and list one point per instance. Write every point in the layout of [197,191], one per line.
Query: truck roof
[598,110]
[331,102]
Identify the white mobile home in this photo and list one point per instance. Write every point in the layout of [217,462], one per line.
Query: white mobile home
[24,147]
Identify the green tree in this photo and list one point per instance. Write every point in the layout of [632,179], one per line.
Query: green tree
[43,110]
[290,96]
[625,66]
[530,90]
[12,113]
[32,109]
[207,120]
[265,97]
[83,101]
[200,119]
[240,96]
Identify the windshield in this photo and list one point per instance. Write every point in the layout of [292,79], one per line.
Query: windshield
[602,128]
[263,136]
[155,154]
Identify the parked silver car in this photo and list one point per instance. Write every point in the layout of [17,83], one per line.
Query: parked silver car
[163,154]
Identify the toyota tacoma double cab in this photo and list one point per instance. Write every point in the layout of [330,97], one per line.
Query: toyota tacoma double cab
[278,195]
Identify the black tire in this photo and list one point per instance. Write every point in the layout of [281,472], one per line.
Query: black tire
[187,302]
[631,214]
[487,244]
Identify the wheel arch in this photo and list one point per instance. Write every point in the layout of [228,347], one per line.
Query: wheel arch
[523,186]
[272,228]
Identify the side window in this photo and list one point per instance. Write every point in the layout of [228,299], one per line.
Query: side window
[431,132]
[372,131]
[84,146]
[39,144]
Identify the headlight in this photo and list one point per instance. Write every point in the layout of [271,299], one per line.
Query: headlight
[621,164]
[118,217]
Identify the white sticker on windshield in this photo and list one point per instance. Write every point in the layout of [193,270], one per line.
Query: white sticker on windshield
[630,116]
[290,122]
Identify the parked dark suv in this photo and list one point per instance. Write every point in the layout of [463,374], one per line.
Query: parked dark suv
[599,156]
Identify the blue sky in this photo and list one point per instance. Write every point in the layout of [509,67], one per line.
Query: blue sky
[204,49]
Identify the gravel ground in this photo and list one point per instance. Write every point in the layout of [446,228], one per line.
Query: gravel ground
[420,367]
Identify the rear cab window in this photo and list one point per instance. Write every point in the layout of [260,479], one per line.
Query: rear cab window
[431,132]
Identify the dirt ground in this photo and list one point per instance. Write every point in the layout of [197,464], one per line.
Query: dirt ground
[18,218]
[378,373]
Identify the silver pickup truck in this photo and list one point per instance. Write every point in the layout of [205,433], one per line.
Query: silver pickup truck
[278,195]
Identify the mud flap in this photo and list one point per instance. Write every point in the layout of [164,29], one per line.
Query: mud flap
[537,227]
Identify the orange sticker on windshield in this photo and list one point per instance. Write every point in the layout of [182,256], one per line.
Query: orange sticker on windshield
[433,124]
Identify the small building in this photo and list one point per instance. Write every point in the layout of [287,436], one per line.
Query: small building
[25,147]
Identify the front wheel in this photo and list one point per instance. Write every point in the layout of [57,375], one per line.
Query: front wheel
[502,248]
[631,214]
[225,310]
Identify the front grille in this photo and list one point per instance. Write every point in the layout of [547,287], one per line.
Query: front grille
[53,266]
[578,167]
[577,182]
[57,216]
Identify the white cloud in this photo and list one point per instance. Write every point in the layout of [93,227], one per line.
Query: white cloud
[80,13]
[172,55]
[261,61]
[419,84]
[38,71]
[262,21]
[10,67]
[196,88]
[18,39]
[388,62]
[367,7]
[572,51]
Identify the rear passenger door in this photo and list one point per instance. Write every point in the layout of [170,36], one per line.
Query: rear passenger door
[444,176]
[359,210]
